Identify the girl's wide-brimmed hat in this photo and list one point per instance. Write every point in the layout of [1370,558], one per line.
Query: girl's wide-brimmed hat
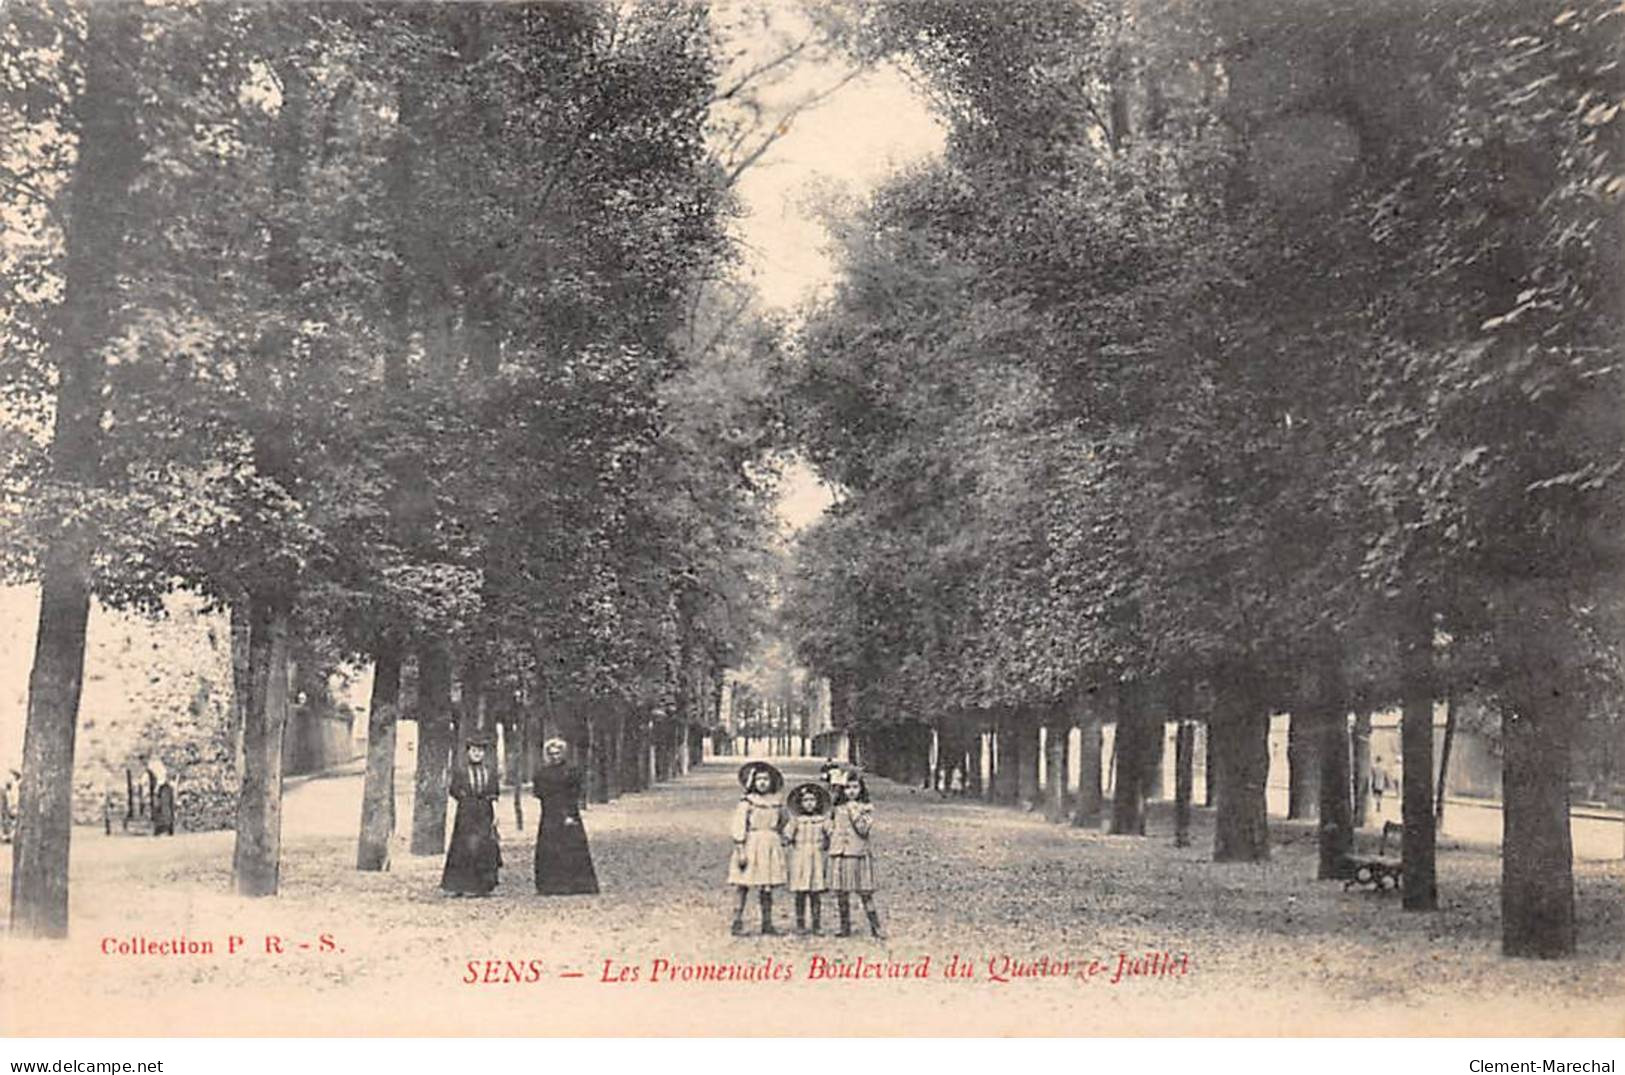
[747,773]
[797,792]
[479,739]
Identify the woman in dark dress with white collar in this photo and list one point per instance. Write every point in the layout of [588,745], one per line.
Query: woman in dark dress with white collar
[475,856]
[563,860]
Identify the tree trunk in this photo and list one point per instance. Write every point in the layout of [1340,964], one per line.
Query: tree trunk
[616,751]
[599,733]
[1537,730]
[661,744]
[240,688]
[1444,756]
[1329,717]
[1416,751]
[1241,830]
[1086,812]
[1210,767]
[1006,759]
[109,157]
[1135,732]
[1360,778]
[1537,855]
[378,786]
[642,754]
[39,880]
[1184,777]
[256,858]
[1156,744]
[517,734]
[436,730]
[1027,735]
[1302,768]
[1055,744]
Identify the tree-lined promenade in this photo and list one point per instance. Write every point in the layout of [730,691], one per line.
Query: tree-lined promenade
[1271,950]
[1236,360]
[1230,360]
[395,330]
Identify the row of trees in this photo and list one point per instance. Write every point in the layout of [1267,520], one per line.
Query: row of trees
[399,331]
[1266,360]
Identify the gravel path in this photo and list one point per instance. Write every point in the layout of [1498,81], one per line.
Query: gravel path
[1027,906]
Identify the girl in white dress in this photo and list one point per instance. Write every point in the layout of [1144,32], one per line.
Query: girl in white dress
[758,860]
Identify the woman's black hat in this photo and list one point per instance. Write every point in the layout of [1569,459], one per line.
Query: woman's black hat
[794,799]
[747,774]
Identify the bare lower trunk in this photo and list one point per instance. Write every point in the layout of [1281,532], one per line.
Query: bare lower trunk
[615,747]
[1027,774]
[436,730]
[979,762]
[1444,758]
[643,752]
[1241,829]
[1184,777]
[39,878]
[378,786]
[1416,750]
[1329,718]
[257,857]
[1537,730]
[1302,768]
[1055,744]
[598,753]
[1134,749]
[1006,759]
[239,679]
[1156,743]
[1090,801]
[1210,767]
[519,763]
[1537,860]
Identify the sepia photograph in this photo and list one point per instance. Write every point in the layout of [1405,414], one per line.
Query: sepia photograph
[814,519]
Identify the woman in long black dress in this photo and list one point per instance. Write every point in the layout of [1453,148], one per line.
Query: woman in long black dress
[563,862]
[475,855]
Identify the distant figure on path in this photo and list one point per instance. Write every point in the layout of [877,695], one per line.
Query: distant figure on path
[563,860]
[475,855]
[1380,781]
[758,860]
[162,797]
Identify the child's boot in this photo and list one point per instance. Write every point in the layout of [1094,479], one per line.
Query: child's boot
[767,914]
[801,912]
[874,923]
[817,916]
[843,903]
[738,929]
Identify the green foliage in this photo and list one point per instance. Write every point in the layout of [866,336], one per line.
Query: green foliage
[1205,346]
[402,330]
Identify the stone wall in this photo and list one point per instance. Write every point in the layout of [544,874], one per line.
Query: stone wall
[160,686]
[152,685]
